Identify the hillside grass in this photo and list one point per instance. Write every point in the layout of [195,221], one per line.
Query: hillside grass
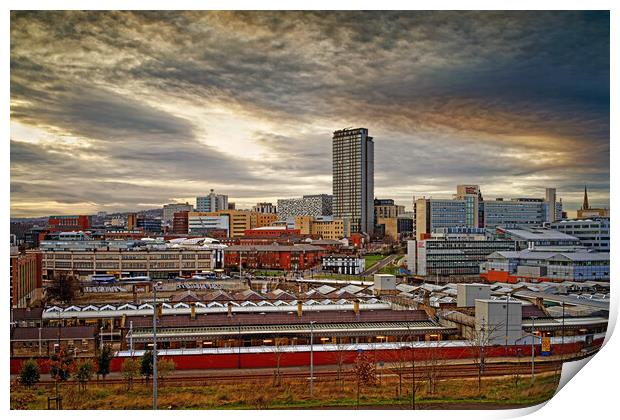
[294,394]
[372,259]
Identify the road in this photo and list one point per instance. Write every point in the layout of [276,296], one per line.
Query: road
[378,266]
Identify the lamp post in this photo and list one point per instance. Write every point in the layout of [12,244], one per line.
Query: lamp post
[533,349]
[507,306]
[533,337]
[240,344]
[311,357]
[412,368]
[155,344]
[131,338]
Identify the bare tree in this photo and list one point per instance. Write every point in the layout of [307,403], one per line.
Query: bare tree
[63,288]
[340,359]
[278,352]
[479,338]
[365,373]
[399,362]
[433,361]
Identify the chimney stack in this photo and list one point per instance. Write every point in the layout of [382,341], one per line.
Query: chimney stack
[356,307]
[193,309]
[230,309]
[299,308]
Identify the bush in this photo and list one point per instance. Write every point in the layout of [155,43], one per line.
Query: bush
[30,373]
[84,373]
[165,367]
[130,369]
[146,364]
[61,365]
[103,361]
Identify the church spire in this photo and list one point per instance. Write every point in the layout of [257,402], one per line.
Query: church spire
[585,205]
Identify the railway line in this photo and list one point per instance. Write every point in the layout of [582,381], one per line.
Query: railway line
[422,371]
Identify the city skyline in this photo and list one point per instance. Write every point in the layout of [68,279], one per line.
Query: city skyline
[161,107]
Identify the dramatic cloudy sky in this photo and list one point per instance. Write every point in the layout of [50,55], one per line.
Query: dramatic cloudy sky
[120,111]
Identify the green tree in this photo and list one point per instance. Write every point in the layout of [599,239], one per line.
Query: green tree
[84,373]
[103,361]
[165,367]
[30,373]
[146,364]
[130,369]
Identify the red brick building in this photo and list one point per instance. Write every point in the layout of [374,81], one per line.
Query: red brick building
[180,222]
[275,257]
[69,223]
[26,277]
[270,232]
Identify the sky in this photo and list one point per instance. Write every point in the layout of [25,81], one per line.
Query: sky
[120,111]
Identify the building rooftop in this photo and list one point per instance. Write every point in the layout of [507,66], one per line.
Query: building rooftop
[539,234]
[273,248]
[52,333]
[282,318]
[552,255]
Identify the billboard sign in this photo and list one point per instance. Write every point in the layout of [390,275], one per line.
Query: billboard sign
[546,346]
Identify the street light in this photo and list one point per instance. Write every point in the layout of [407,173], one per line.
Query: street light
[533,337]
[311,357]
[412,368]
[155,285]
[507,320]
[533,349]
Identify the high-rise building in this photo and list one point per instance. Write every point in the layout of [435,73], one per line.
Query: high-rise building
[309,205]
[212,202]
[550,200]
[518,212]
[353,178]
[171,209]
[467,209]
[385,208]
[264,208]
[432,214]
[132,219]
[470,194]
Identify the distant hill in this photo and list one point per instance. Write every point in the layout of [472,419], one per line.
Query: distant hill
[43,220]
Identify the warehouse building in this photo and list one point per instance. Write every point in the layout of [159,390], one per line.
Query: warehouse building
[537,266]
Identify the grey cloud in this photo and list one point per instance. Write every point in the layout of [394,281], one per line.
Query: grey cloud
[444,93]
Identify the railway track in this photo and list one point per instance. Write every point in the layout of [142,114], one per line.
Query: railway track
[422,371]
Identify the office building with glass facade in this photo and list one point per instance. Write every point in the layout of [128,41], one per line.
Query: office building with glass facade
[593,233]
